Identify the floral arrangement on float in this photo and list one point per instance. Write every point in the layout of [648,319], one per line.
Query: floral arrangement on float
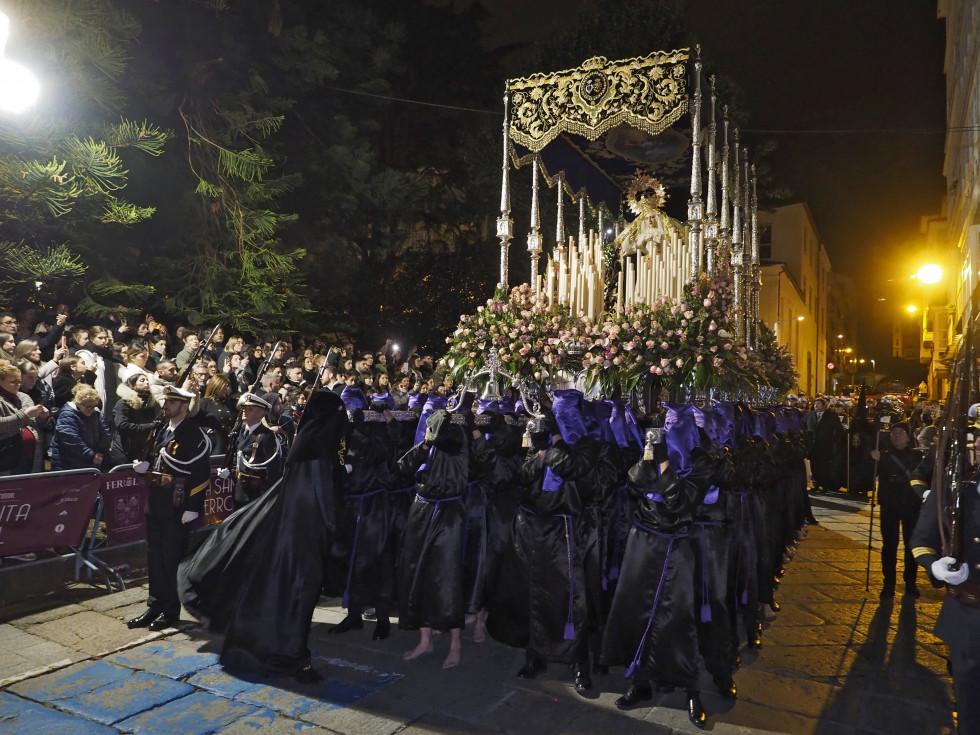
[527,333]
[687,344]
[684,343]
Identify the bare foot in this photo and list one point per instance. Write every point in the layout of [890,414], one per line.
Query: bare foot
[480,627]
[452,660]
[424,648]
[767,612]
[469,619]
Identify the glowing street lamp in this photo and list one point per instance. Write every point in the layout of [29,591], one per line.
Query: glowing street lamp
[775,324]
[19,88]
[929,274]
[911,308]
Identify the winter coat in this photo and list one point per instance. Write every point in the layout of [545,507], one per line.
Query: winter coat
[133,418]
[77,439]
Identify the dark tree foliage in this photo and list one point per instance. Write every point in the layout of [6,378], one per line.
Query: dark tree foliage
[66,232]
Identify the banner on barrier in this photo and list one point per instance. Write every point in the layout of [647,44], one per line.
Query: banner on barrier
[124,503]
[123,507]
[46,510]
[218,500]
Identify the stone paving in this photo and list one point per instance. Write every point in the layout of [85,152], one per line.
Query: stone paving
[835,661]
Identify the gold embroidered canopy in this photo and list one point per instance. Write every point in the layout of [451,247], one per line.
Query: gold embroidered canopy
[648,93]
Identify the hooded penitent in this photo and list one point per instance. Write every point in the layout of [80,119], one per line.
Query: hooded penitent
[433,403]
[567,407]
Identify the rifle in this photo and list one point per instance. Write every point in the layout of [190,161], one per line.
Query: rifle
[885,421]
[237,428]
[319,373]
[197,356]
[158,424]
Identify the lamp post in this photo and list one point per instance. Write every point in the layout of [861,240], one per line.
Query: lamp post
[775,324]
[874,370]
[19,88]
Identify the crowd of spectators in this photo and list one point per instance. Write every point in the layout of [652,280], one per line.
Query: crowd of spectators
[77,394]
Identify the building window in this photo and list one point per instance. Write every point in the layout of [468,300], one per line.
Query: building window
[765,252]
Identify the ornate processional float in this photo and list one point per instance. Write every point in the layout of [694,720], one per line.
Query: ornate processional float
[627,308]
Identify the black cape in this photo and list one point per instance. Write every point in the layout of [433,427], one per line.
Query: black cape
[258,576]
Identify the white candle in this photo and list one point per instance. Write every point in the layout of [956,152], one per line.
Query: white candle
[619,288]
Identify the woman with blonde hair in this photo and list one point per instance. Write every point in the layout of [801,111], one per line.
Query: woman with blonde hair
[20,451]
[233,346]
[29,349]
[81,435]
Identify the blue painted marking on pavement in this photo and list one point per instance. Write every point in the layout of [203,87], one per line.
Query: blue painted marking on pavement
[147,702]
[287,702]
[345,683]
[166,659]
[76,679]
[345,693]
[218,681]
[22,717]
[197,714]
[137,693]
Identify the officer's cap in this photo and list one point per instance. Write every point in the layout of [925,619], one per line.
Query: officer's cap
[173,393]
[250,399]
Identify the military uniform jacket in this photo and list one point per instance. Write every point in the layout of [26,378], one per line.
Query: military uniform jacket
[957,623]
[185,457]
[258,462]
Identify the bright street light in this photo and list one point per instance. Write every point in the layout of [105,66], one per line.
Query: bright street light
[929,274]
[911,308]
[789,319]
[19,88]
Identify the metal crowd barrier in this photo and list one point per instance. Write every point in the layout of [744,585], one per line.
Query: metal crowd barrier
[66,508]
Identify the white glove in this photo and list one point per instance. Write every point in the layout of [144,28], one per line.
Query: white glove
[942,572]
[349,468]
[141,466]
[224,473]
[188,516]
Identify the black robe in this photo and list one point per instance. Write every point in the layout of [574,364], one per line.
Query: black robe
[257,578]
[710,540]
[651,625]
[555,537]
[366,571]
[481,462]
[430,574]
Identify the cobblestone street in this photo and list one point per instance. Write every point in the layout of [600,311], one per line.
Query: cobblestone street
[834,661]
